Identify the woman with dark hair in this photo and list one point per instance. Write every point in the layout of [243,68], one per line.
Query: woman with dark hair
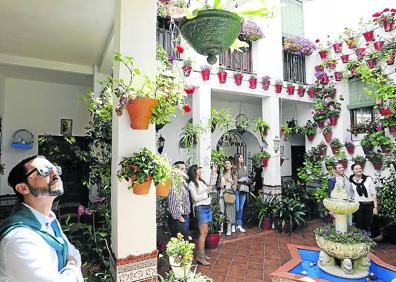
[228,185]
[242,189]
[365,193]
[200,194]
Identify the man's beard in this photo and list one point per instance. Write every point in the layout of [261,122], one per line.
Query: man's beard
[47,191]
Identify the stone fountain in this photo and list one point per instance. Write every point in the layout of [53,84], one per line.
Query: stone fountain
[339,259]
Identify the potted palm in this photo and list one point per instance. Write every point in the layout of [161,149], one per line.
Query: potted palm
[220,118]
[358,159]
[261,127]
[376,159]
[278,86]
[180,253]
[263,208]
[327,132]
[253,81]
[222,74]
[265,82]
[288,214]
[349,146]
[310,130]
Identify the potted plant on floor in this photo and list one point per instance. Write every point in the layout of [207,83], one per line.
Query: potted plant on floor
[205,72]
[263,209]
[218,219]
[220,118]
[288,214]
[262,158]
[376,159]
[335,145]
[349,146]
[358,159]
[222,74]
[322,149]
[290,88]
[261,127]
[238,76]
[327,133]
[265,82]
[180,253]
[310,130]
[253,81]
[278,86]
[187,68]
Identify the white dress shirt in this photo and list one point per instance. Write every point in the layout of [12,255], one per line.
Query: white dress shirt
[370,187]
[26,257]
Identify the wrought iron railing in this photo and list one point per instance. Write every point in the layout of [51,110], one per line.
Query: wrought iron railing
[237,60]
[293,67]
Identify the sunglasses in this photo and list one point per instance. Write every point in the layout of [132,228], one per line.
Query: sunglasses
[45,170]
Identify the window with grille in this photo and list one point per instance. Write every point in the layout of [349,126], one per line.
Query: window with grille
[237,60]
[166,33]
[293,67]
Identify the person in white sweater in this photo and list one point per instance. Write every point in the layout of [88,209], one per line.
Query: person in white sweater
[200,194]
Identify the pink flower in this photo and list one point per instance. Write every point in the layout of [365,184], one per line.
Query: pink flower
[81,210]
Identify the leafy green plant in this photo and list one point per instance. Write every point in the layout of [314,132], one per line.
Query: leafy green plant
[189,135]
[220,118]
[387,196]
[322,145]
[263,208]
[218,218]
[261,127]
[358,128]
[290,127]
[182,250]
[335,143]
[327,128]
[257,158]
[309,128]
[218,158]
[340,156]
[289,210]
[375,157]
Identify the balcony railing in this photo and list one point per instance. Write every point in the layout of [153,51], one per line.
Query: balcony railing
[293,67]
[237,60]
[166,33]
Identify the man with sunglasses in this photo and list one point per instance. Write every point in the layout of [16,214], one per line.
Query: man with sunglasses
[32,246]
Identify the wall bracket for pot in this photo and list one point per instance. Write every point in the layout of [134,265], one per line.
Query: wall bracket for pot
[22,139]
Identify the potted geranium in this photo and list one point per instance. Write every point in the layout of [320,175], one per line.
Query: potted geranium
[187,68]
[220,118]
[261,127]
[205,72]
[180,253]
[262,157]
[251,31]
[335,145]
[290,88]
[386,19]
[349,146]
[322,76]
[238,76]
[265,82]
[327,132]
[311,90]
[359,160]
[278,86]
[301,90]
[323,50]
[222,74]
[376,159]
[298,45]
[310,130]
[253,81]
[322,149]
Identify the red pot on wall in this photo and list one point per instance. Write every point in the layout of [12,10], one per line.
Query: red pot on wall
[335,150]
[189,90]
[205,74]
[333,120]
[301,91]
[253,83]
[391,59]
[331,65]
[311,93]
[222,77]
[377,165]
[212,240]
[367,149]
[385,149]
[337,47]
[290,90]
[278,88]
[320,124]
[350,42]
[350,149]
[319,68]
[238,79]
[324,79]
[187,70]
[338,76]
[264,162]
[322,152]
[323,54]
[353,72]
[369,35]
[327,136]
[310,137]
[344,58]
[371,63]
[388,26]
[378,45]
[265,84]
[392,129]
[360,52]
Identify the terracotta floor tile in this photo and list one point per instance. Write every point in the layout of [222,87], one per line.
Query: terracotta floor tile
[254,274]
[220,269]
[255,266]
[218,277]
[235,279]
[247,279]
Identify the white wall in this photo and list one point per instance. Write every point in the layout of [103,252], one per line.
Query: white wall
[38,106]
[1,115]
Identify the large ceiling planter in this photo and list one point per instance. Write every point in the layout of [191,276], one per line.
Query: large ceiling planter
[211,32]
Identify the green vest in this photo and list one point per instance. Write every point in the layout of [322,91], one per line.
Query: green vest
[22,216]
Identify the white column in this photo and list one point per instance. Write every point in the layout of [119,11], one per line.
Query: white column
[133,216]
[201,105]
[272,173]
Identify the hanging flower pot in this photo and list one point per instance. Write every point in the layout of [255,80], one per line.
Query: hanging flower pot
[319,68]
[388,26]
[238,79]
[252,83]
[320,124]
[335,150]
[323,54]
[337,47]
[265,83]
[350,149]
[369,35]
[353,71]
[390,59]
[327,136]
[139,111]
[290,89]
[310,137]
[311,93]
[205,73]
[331,65]
[371,63]
[278,88]
[143,189]
[344,58]
[187,70]
[360,52]
[212,241]
[189,90]
[344,163]
[163,189]
[322,151]
[301,91]
[377,165]
[324,79]
[333,120]
[351,42]
[367,149]
[222,75]
[392,129]
[385,149]
[264,162]
[338,76]
[379,45]
[211,32]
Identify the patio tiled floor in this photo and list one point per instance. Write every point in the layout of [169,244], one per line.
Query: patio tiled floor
[252,256]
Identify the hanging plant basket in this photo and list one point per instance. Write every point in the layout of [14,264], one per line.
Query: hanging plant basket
[211,32]
[388,26]
[143,189]
[139,111]
[238,79]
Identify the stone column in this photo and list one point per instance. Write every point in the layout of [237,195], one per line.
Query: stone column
[272,173]
[133,240]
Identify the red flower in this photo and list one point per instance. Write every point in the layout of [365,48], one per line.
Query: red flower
[187,108]
[180,49]
[386,10]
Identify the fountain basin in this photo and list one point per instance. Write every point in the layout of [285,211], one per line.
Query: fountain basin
[340,206]
[342,251]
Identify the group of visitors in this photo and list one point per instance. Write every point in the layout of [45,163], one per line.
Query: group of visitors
[232,185]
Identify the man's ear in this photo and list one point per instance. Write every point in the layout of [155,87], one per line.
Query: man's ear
[22,188]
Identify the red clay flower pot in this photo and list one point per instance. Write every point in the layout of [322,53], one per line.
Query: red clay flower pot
[301,91]
[331,65]
[391,59]
[385,149]
[187,71]
[324,79]
[367,149]
[353,72]
[278,88]
[378,45]
[350,149]
[266,223]
[323,54]
[205,74]
[369,35]
[344,58]
[344,163]
[252,83]
[333,120]
[371,63]
[392,129]
[265,84]
[162,189]
[310,137]
[350,42]
[327,136]
[377,165]
[335,150]
[290,90]
[319,68]
[222,77]
[139,111]
[238,79]
[360,52]
[337,47]
[212,241]
[388,26]
[320,124]
[338,76]
[322,152]
[311,93]
[189,90]
[264,162]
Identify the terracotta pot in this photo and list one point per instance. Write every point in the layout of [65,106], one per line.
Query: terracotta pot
[265,84]
[323,54]
[392,129]
[353,72]
[238,79]
[143,189]
[322,152]
[222,77]
[212,240]
[253,83]
[350,149]
[139,111]
[371,63]
[187,70]
[266,223]
[324,79]
[331,65]
[385,149]
[337,47]
[350,42]
[360,52]
[278,88]
[264,162]
[344,163]
[327,136]
[321,124]
[367,149]
[369,35]
[391,59]
[301,91]
[333,120]
[379,45]
[344,58]
[310,137]
[338,76]
[388,26]
[311,93]
[290,90]
[335,150]
[377,165]
[163,188]
[205,74]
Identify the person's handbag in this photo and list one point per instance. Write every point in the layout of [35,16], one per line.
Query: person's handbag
[229,197]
